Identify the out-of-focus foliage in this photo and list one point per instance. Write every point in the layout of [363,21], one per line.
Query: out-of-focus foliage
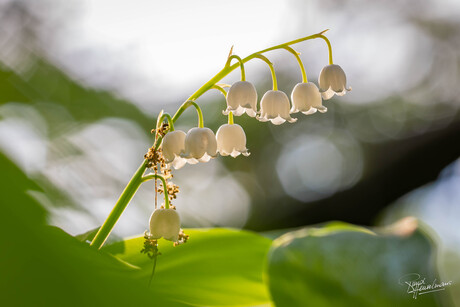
[344,265]
[43,266]
[217,267]
[62,101]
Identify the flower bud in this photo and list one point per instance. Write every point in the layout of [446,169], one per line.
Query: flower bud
[306,98]
[173,146]
[242,97]
[332,80]
[231,140]
[165,223]
[200,145]
[274,107]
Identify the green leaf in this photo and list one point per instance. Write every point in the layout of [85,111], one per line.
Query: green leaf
[346,265]
[216,267]
[87,236]
[52,92]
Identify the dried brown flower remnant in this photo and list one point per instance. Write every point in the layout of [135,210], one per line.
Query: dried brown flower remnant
[155,157]
[172,190]
[160,131]
[183,237]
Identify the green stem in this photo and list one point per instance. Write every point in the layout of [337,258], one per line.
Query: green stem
[184,107]
[120,206]
[228,69]
[234,56]
[329,47]
[219,88]
[163,181]
[302,67]
[272,70]
[230,118]
[159,120]
[170,121]
[136,180]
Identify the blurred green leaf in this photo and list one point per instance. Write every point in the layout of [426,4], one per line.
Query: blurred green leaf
[88,235]
[44,266]
[217,267]
[59,98]
[346,265]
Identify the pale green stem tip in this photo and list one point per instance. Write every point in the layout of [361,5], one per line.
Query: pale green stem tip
[272,69]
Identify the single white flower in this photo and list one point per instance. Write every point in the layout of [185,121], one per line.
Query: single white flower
[200,145]
[165,223]
[241,97]
[274,107]
[173,146]
[332,80]
[231,140]
[306,98]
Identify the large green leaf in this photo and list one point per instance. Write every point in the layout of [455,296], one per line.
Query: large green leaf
[217,267]
[344,265]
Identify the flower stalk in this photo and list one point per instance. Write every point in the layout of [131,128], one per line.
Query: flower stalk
[302,67]
[272,69]
[163,181]
[329,47]
[184,107]
[220,89]
[169,118]
[230,118]
[234,56]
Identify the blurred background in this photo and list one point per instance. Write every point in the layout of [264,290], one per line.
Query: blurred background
[81,84]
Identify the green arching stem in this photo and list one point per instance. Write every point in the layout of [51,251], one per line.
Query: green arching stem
[170,121]
[165,187]
[272,70]
[302,67]
[220,89]
[329,47]
[136,180]
[234,56]
[230,118]
[184,107]
[228,69]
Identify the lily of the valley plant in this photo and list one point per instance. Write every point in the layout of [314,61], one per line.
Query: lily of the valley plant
[174,148]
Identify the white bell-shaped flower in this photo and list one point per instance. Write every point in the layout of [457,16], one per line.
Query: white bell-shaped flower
[200,145]
[332,80]
[173,146]
[274,107]
[165,223]
[231,140]
[306,98]
[241,97]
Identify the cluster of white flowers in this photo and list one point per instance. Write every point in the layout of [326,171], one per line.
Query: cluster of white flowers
[200,144]
[275,106]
